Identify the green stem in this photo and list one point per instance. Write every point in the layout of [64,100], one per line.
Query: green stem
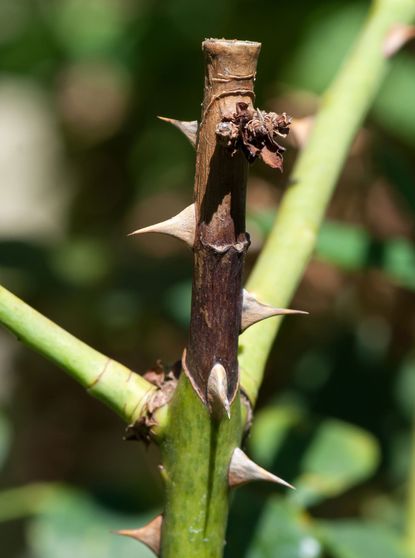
[196,455]
[291,242]
[118,387]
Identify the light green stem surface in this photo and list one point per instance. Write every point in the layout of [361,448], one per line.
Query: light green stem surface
[118,387]
[196,455]
[290,245]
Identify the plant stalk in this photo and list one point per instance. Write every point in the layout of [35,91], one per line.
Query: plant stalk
[220,240]
[119,388]
[290,244]
[199,440]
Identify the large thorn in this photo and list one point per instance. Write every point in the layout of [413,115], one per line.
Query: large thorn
[243,470]
[254,311]
[182,226]
[217,392]
[189,129]
[150,534]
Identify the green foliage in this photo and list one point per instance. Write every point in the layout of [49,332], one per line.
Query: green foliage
[284,532]
[72,524]
[351,247]
[331,456]
[356,539]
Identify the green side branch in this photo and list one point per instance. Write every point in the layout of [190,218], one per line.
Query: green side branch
[289,247]
[118,387]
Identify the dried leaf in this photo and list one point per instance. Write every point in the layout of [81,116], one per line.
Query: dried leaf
[272,159]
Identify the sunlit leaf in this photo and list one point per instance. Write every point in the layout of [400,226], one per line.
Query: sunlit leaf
[284,532]
[359,539]
[322,459]
[399,261]
[269,430]
[343,245]
[339,456]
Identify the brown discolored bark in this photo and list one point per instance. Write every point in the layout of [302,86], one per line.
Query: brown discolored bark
[220,240]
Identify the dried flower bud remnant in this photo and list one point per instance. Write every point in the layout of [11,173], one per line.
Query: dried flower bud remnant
[254,132]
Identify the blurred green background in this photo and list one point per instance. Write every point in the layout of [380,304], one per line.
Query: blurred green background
[83,162]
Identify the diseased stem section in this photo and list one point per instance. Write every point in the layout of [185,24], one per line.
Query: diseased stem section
[118,387]
[200,438]
[220,240]
[288,249]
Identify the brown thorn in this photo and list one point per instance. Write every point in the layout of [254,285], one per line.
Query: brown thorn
[243,470]
[150,534]
[182,226]
[217,392]
[189,128]
[254,311]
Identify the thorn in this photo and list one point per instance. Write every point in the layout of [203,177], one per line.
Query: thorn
[243,470]
[181,226]
[150,534]
[397,37]
[254,311]
[189,129]
[217,392]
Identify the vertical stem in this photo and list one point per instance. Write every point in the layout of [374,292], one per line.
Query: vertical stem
[197,447]
[196,456]
[221,240]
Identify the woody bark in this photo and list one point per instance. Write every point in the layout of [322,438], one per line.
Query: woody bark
[220,241]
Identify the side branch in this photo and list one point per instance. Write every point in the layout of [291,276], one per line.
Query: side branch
[118,387]
[291,242]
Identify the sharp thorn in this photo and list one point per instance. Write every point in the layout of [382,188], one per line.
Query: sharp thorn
[180,226]
[189,129]
[217,392]
[243,470]
[150,534]
[254,311]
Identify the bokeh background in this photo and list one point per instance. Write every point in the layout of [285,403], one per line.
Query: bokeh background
[84,161]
